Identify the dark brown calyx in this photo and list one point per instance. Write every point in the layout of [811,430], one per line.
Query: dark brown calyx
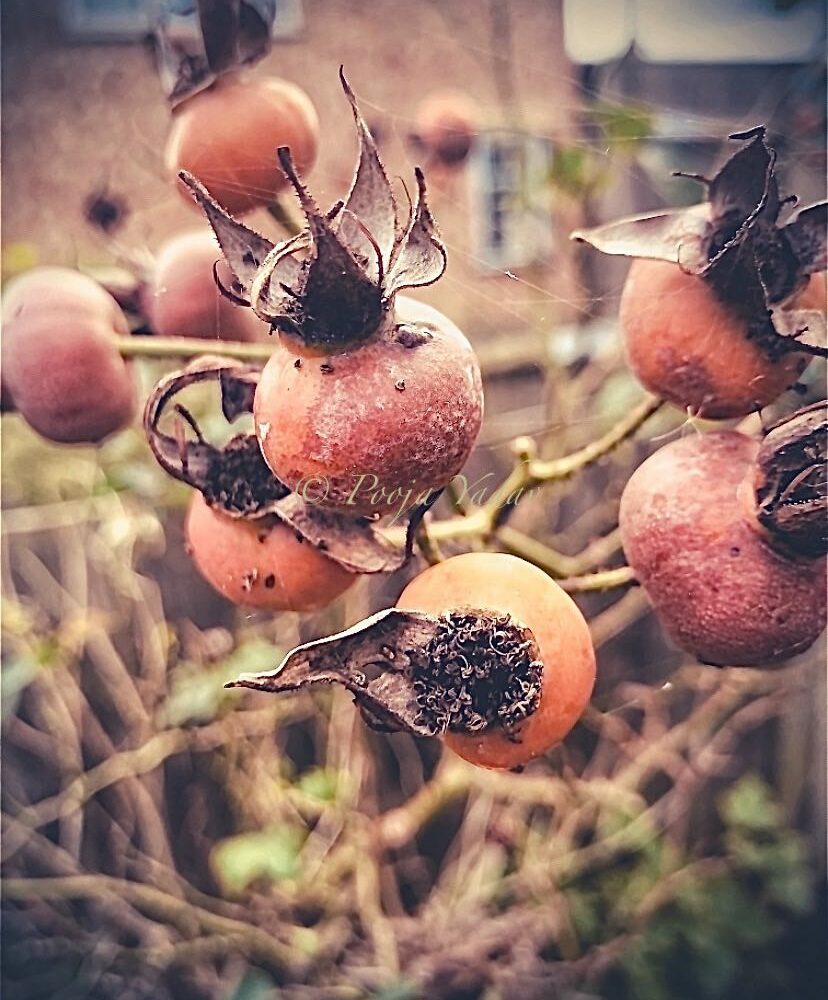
[333,285]
[735,242]
[236,479]
[197,43]
[480,670]
[791,485]
[463,672]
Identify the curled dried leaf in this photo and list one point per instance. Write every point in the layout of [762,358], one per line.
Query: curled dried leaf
[198,41]
[376,660]
[352,542]
[234,477]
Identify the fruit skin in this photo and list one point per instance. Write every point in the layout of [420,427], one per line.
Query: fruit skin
[720,590]
[380,415]
[227,137]
[492,581]
[230,551]
[183,300]
[446,126]
[59,363]
[690,349]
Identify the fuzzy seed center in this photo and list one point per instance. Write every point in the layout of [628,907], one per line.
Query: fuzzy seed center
[480,670]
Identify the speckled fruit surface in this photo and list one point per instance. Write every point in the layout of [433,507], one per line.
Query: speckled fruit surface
[261,564]
[492,581]
[360,429]
[719,589]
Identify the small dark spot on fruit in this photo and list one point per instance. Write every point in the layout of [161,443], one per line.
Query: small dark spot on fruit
[412,336]
[326,369]
[270,581]
[297,363]
[399,385]
[735,550]
[249,579]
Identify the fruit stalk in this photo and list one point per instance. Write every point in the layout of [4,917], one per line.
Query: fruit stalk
[189,347]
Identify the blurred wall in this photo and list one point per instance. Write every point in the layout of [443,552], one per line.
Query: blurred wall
[77,116]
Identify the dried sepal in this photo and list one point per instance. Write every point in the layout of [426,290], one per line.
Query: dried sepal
[198,41]
[352,542]
[334,283]
[463,671]
[272,290]
[370,203]
[679,237]
[791,485]
[244,249]
[745,185]
[734,242]
[236,479]
[801,330]
[420,258]
[337,300]
[376,660]
[807,236]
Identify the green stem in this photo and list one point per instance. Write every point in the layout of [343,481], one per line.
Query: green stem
[190,347]
[606,579]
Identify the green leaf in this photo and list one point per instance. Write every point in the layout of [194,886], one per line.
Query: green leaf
[749,804]
[271,854]
[197,692]
[404,989]
[255,986]
[320,783]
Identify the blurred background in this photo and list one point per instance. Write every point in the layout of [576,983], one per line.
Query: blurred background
[196,842]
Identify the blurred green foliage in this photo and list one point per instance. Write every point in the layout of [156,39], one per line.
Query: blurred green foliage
[716,936]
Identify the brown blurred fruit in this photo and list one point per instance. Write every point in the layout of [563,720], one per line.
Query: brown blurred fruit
[60,364]
[182,298]
[446,124]
[227,137]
